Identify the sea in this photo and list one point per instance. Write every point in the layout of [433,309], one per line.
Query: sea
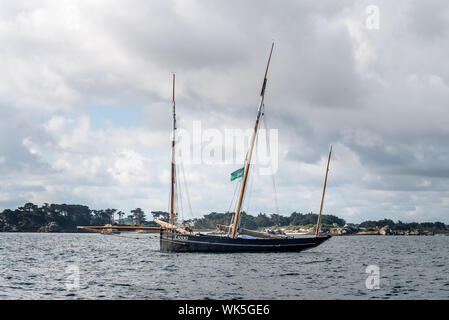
[66,266]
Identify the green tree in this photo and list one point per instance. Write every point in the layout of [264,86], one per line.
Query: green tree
[262,221]
[120,215]
[110,213]
[161,215]
[139,216]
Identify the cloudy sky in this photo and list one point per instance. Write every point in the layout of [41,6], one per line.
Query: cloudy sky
[85,90]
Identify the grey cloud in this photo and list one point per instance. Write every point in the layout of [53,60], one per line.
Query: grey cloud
[379,96]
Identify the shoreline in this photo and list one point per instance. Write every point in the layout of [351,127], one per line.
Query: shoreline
[287,233]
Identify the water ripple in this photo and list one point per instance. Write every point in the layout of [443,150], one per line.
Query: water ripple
[94,266]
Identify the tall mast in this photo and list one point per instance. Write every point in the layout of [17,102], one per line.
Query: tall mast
[250,152]
[317,230]
[173,168]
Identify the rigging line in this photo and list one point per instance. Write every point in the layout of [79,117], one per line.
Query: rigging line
[175,207]
[253,169]
[251,179]
[251,165]
[233,197]
[175,191]
[235,190]
[168,202]
[267,140]
[230,223]
[250,191]
[186,188]
[179,197]
[235,205]
[175,196]
[239,182]
[174,180]
[169,195]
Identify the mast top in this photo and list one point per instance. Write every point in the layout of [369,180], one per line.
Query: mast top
[173,106]
[266,71]
[173,97]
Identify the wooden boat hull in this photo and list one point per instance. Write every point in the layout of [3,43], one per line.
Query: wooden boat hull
[176,242]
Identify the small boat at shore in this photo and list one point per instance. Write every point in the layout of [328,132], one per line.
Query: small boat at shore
[109,230]
[234,238]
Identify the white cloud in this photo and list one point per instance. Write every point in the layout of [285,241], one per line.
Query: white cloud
[378,96]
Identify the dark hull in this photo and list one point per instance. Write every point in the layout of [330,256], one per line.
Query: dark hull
[176,242]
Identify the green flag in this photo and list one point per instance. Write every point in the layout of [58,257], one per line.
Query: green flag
[237,174]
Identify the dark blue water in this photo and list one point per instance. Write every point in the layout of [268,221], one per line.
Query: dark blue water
[95,266]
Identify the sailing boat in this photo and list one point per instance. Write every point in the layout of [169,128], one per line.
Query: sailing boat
[234,238]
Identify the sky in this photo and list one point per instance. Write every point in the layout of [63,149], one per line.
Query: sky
[85,104]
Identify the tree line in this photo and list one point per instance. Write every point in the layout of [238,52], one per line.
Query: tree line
[404,226]
[263,220]
[66,218]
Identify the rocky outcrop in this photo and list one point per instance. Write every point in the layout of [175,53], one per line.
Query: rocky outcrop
[347,231]
[414,233]
[50,227]
[386,231]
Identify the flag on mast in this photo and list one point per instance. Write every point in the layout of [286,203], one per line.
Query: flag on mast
[237,174]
